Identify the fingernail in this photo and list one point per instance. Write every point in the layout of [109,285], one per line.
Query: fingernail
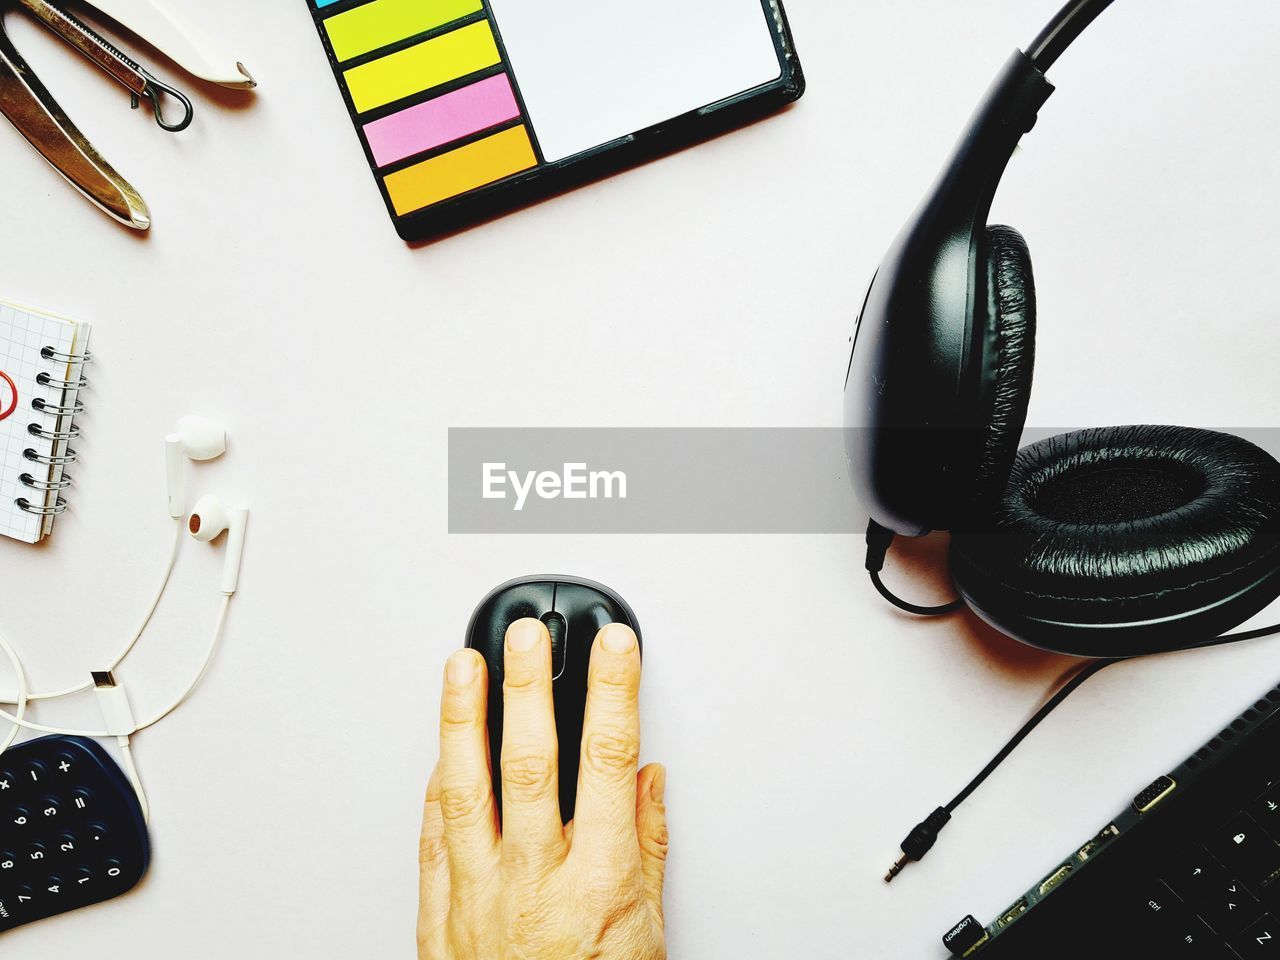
[524,635]
[460,668]
[618,638]
[658,785]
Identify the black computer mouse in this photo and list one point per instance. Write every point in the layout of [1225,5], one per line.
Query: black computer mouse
[574,611]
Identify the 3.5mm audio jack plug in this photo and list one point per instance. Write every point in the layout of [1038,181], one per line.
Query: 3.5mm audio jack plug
[920,841]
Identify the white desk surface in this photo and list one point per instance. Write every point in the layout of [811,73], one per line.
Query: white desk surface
[806,725]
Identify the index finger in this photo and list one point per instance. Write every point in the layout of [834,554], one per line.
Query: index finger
[605,821]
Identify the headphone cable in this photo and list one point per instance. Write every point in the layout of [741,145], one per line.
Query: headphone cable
[879,540]
[921,839]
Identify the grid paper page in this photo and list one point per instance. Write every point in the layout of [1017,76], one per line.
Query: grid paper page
[23,333]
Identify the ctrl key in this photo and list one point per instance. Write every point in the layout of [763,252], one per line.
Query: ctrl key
[1260,940]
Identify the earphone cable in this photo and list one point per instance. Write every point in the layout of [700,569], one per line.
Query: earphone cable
[20,676]
[204,667]
[137,634]
[19,722]
[135,780]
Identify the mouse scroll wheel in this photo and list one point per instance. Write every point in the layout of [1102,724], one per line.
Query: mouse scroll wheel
[558,627]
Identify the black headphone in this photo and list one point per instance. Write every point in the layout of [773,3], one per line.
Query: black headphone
[1111,542]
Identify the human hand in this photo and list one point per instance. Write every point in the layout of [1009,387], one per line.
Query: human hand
[535,889]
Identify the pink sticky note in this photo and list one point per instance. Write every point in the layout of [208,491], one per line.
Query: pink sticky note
[445,119]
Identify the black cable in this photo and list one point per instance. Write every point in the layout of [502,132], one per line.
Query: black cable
[1071,686]
[919,611]
[1065,29]
[921,839]
[879,540]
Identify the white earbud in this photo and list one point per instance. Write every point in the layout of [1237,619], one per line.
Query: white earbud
[210,518]
[196,438]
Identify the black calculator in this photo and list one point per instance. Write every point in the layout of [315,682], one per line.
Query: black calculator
[71,830]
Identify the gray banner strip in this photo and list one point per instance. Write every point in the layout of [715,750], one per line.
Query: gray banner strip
[659,480]
[650,481]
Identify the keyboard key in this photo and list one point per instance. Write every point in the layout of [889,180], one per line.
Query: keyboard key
[1266,810]
[1247,851]
[1231,908]
[1260,940]
[1157,904]
[1196,875]
[1190,938]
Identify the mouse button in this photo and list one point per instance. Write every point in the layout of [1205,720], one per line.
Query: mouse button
[558,627]
[589,610]
[490,622]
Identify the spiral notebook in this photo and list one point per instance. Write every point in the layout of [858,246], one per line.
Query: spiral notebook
[41,362]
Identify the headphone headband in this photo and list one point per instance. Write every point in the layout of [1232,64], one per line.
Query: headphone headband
[921,386]
[921,383]
[1071,21]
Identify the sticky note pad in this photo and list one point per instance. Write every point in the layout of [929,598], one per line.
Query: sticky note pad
[469,107]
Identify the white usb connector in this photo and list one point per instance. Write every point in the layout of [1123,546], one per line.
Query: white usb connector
[113,703]
[117,717]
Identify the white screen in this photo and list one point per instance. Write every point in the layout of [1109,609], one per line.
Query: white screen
[592,71]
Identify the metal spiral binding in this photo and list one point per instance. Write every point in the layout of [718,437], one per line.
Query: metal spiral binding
[49,502]
[57,509]
[46,486]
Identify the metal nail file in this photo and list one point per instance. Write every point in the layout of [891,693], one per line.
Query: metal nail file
[30,107]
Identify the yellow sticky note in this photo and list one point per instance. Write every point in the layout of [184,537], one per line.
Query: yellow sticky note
[384,22]
[459,171]
[423,66]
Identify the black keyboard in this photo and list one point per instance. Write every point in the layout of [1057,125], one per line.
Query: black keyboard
[71,830]
[1190,868]
[1217,899]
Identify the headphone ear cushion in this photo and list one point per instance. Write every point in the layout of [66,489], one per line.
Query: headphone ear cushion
[1011,292]
[1166,535]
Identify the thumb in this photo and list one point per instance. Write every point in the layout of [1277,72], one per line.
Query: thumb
[651,826]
